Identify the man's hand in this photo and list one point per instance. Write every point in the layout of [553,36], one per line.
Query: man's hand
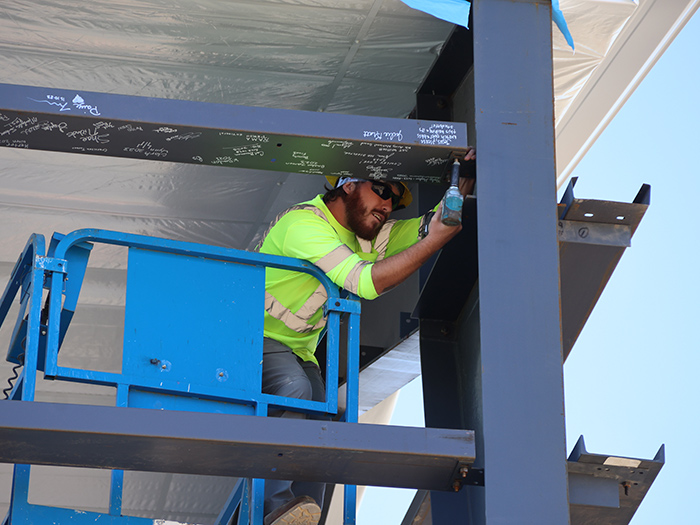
[466,184]
[440,232]
[470,154]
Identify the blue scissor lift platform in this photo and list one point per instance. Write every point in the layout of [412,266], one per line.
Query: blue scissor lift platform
[192,349]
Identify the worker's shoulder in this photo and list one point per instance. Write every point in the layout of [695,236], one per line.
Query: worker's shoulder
[301,221]
[313,210]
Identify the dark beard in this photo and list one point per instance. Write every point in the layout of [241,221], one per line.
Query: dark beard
[355,212]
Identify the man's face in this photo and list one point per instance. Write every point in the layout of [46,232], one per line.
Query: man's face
[366,212]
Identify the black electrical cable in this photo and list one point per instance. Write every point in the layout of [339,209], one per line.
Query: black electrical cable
[8,390]
[20,357]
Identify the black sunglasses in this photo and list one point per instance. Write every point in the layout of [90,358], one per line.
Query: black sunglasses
[386,192]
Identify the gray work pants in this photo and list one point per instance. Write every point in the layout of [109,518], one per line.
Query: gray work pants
[285,374]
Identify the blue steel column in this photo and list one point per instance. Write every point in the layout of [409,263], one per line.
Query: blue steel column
[521,351]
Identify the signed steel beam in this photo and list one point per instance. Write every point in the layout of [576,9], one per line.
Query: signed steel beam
[227,135]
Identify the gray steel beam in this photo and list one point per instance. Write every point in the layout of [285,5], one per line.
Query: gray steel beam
[494,360]
[227,135]
[520,338]
[452,374]
[607,490]
[434,98]
[418,512]
[232,445]
[456,269]
[593,235]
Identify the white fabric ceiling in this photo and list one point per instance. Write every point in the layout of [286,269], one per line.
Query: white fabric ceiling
[317,55]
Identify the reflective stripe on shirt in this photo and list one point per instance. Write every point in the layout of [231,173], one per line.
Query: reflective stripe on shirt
[334,258]
[382,241]
[299,321]
[352,281]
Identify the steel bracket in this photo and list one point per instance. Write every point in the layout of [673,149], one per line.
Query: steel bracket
[342,305]
[468,476]
[51,264]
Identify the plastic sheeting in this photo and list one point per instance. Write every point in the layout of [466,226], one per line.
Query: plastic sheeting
[364,57]
[278,53]
[594,25]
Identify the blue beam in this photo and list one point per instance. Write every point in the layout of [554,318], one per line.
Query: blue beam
[519,297]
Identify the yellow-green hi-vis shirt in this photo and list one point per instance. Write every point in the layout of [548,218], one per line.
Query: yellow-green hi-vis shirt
[294,301]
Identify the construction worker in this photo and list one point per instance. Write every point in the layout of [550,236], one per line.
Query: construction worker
[348,234]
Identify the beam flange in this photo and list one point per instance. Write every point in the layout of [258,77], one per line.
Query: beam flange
[232,445]
[607,490]
[227,135]
[593,236]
